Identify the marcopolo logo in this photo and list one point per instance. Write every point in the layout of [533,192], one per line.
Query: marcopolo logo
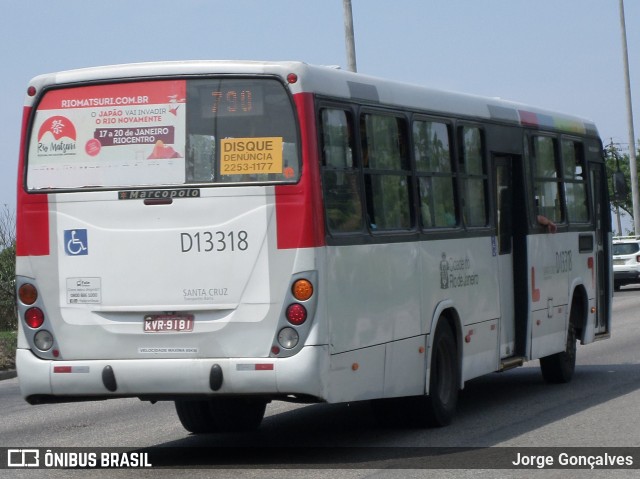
[159,194]
[57,137]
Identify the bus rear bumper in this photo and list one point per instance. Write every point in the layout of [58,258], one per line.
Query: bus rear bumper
[46,381]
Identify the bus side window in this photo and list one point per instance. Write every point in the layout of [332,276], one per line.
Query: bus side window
[475,180]
[342,199]
[546,180]
[575,181]
[436,181]
[386,172]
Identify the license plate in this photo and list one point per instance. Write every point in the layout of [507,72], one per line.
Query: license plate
[618,262]
[168,323]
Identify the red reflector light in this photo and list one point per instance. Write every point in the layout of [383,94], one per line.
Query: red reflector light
[31,91]
[292,78]
[296,314]
[264,367]
[62,369]
[34,317]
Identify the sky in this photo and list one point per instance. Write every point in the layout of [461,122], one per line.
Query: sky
[563,55]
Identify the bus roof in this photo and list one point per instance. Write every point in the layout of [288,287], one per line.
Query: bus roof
[337,83]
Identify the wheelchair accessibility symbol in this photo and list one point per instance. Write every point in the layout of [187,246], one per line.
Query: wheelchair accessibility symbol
[76,243]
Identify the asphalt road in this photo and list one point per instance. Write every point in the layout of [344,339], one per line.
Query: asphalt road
[599,409]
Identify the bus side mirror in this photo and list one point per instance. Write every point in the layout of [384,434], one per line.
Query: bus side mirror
[620,190]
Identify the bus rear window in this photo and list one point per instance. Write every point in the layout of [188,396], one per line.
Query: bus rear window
[164,133]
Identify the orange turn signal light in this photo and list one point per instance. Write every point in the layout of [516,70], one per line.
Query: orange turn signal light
[302,289]
[28,294]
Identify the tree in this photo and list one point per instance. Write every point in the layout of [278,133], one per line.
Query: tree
[617,161]
[8,311]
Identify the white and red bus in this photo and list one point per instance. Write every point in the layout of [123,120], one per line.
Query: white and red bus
[222,234]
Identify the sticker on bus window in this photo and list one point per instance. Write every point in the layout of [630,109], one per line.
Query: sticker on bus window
[250,156]
[119,134]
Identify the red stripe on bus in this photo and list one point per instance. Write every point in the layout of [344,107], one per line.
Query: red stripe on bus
[299,215]
[264,367]
[32,218]
[528,118]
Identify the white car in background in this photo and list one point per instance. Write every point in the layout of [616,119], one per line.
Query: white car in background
[626,260]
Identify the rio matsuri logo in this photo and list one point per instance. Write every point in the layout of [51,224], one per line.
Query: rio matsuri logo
[57,137]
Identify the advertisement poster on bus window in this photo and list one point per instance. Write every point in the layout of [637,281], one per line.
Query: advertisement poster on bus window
[109,135]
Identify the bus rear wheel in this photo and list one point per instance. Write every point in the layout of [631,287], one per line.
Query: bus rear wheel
[221,414]
[440,405]
[558,368]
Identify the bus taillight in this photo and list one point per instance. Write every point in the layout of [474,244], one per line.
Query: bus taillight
[34,317]
[27,294]
[296,314]
[302,289]
[44,341]
[288,338]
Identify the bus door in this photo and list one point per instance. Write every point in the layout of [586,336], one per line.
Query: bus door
[602,254]
[504,237]
[510,247]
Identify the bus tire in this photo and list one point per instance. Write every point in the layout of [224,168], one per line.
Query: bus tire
[558,368]
[223,414]
[194,415]
[440,404]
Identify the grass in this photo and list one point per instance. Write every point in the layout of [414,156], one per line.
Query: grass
[8,342]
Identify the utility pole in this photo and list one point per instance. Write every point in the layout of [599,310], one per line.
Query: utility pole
[349,40]
[632,142]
